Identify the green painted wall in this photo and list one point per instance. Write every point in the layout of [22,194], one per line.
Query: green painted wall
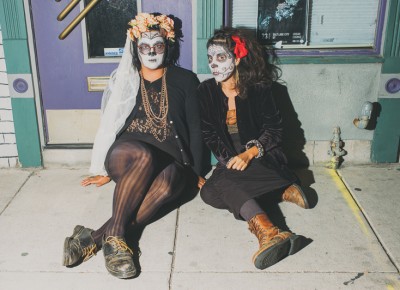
[385,146]
[209,17]
[391,49]
[17,56]
[26,131]
[16,51]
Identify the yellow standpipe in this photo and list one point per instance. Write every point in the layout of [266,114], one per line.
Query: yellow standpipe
[77,19]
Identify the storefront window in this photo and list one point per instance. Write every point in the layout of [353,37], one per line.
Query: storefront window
[294,24]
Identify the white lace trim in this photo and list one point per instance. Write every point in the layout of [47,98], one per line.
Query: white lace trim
[117,103]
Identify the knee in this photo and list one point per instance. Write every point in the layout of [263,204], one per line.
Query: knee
[143,155]
[135,152]
[169,188]
[162,188]
[125,155]
[166,194]
[207,194]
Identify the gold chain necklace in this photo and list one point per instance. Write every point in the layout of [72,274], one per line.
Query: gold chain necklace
[158,121]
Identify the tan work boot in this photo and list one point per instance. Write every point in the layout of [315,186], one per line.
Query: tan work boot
[295,194]
[79,247]
[275,244]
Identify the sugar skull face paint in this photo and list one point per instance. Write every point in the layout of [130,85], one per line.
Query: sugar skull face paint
[151,48]
[221,62]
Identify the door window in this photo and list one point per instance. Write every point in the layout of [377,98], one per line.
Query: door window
[104,29]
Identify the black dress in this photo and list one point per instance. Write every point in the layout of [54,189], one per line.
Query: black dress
[227,188]
[160,141]
[184,140]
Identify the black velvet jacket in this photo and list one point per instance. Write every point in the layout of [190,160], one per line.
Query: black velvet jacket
[184,116]
[257,118]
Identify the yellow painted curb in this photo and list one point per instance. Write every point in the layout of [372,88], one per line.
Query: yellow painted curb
[349,200]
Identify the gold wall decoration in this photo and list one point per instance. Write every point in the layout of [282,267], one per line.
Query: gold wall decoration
[77,19]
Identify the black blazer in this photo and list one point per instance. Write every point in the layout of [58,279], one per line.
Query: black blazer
[257,118]
[184,115]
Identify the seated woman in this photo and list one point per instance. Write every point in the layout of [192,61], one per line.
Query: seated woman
[149,141]
[243,128]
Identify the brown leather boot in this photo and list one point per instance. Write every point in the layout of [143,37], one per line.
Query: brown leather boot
[274,243]
[79,247]
[295,194]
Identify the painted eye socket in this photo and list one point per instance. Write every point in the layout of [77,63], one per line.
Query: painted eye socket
[144,48]
[222,57]
[210,59]
[159,48]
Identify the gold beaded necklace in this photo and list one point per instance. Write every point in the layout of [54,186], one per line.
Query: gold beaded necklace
[158,122]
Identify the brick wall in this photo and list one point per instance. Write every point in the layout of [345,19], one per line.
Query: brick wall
[8,146]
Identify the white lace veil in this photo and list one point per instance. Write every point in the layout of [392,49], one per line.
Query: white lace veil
[117,103]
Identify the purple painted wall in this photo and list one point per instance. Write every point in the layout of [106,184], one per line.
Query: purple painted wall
[183,10]
[62,70]
[61,66]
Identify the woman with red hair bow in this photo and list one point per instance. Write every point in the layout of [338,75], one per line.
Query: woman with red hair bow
[243,128]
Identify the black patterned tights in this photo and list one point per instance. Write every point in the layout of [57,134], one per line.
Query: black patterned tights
[146,178]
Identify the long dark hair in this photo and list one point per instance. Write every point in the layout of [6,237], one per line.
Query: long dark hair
[172,48]
[256,67]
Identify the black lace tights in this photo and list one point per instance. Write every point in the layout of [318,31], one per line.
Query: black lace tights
[146,178]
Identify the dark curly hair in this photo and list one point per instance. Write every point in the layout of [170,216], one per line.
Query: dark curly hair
[172,48]
[256,67]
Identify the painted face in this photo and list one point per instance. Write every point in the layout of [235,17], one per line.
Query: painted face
[221,62]
[151,48]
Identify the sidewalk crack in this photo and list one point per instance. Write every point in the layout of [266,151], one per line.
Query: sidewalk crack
[16,193]
[174,251]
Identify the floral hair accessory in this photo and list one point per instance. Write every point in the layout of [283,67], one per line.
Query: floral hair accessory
[240,48]
[144,22]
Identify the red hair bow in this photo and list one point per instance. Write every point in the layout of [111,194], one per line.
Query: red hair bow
[240,48]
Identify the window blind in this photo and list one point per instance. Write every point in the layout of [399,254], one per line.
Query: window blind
[244,13]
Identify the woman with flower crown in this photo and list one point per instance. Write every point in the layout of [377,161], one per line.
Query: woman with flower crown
[149,141]
[243,128]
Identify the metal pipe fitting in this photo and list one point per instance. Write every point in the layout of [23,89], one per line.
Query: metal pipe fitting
[362,121]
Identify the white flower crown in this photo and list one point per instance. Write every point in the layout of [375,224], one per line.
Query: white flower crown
[144,22]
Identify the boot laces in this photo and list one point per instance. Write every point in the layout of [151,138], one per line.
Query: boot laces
[263,234]
[119,244]
[89,252]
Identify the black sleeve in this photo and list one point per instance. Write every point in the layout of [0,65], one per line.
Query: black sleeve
[208,119]
[271,127]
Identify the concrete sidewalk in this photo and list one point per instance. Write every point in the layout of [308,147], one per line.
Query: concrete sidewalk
[351,236]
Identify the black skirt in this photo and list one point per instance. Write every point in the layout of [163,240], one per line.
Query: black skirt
[162,157]
[230,189]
